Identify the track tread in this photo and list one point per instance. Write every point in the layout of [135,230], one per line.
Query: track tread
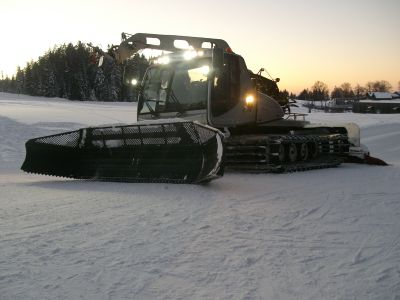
[257,155]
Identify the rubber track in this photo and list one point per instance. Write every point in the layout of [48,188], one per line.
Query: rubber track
[252,154]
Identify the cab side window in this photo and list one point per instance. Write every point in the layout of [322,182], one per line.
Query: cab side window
[226,91]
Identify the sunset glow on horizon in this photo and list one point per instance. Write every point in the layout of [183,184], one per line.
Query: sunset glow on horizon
[298,41]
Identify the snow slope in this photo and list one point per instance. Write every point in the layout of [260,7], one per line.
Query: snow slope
[323,234]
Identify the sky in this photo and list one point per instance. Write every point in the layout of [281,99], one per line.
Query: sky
[299,41]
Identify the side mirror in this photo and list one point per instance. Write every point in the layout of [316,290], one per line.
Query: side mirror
[105,59]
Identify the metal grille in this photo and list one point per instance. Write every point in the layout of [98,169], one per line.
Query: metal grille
[204,134]
[135,135]
[69,139]
[169,152]
[192,132]
[132,135]
[153,135]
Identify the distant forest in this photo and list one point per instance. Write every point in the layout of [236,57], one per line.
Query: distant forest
[319,91]
[71,72]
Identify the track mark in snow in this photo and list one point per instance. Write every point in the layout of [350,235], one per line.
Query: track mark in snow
[357,258]
[385,274]
[13,136]
[328,234]
[310,212]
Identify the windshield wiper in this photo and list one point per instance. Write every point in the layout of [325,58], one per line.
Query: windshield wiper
[151,110]
[179,105]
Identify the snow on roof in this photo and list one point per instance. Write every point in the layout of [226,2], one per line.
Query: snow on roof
[380,95]
[395,95]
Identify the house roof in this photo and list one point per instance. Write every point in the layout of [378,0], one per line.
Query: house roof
[380,95]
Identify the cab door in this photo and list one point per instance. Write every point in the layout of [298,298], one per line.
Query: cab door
[232,97]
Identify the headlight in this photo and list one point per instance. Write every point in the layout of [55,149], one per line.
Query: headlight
[190,54]
[249,100]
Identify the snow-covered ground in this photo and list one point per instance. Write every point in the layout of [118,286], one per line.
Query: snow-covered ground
[323,234]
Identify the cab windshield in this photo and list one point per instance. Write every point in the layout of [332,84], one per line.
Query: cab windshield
[176,87]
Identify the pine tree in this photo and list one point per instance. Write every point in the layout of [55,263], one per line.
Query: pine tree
[115,83]
[304,95]
[100,87]
[28,83]
[67,71]
[20,80]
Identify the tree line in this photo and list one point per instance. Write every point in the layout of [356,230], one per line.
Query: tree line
[71,72]
[319,91]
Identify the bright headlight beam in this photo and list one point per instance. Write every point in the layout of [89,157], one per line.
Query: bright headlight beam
[249,100]
[163,60]
[188,55]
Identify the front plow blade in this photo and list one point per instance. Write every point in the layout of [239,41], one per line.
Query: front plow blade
[178,152]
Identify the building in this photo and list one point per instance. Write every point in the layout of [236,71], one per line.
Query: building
[380,96]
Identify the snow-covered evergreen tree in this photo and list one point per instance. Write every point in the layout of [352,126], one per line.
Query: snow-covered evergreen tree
[68,71]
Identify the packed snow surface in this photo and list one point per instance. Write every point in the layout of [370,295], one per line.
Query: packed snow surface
[323,234]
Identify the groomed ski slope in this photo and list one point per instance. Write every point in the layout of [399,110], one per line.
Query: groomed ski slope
[323,234]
